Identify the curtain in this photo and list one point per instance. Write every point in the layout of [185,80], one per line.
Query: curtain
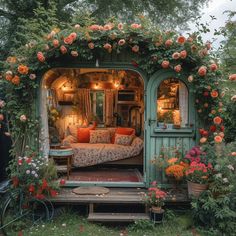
[84,103]
[183,103]
[109,106]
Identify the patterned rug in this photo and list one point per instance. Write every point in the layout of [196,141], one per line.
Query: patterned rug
[107,175]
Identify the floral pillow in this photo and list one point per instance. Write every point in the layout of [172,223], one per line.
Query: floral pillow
[100,136]
[122,139]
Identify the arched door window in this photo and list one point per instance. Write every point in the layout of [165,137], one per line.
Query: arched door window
[172,103]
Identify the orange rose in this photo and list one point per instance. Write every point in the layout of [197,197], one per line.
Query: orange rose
[202,71]
[183,54]
[214,94]
[178,68]
[181,39]
[22,69]
[218,139]
[16,80]
[213,67]
[165,64]
[40,57]
[232,77]
[203,140]
[69,40]
[217,120]
[168,42]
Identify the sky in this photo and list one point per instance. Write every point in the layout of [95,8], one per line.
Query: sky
[215,8]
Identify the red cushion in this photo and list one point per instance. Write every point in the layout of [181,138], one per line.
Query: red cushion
[84,135]
[124,131]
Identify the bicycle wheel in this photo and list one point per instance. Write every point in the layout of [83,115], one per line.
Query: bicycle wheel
[17,216]
[12,215]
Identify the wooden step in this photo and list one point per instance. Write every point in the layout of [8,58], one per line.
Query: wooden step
[117,217]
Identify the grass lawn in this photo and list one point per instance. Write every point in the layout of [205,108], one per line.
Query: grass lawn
[71,224]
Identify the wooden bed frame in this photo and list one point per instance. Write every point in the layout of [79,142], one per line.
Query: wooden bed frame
[136,160]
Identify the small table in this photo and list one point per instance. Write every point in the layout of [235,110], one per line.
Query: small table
[62,154]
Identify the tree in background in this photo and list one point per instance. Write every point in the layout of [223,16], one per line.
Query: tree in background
[26,19]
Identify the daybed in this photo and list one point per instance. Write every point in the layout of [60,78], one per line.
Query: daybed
[89,154]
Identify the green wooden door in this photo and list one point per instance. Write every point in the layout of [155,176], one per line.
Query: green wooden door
[155,139]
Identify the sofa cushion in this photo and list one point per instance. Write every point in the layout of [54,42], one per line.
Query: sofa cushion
[124,131]
[100,136]
[84,135]
[122,139]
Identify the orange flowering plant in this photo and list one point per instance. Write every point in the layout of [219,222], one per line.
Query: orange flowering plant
[34,175]
[172,161]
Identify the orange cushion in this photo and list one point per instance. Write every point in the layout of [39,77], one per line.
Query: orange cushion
[124,131]
[84,135]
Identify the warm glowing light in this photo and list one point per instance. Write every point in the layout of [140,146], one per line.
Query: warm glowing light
[116,85]
[96,86]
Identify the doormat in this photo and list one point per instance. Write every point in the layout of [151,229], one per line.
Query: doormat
[90,190]
[107,175]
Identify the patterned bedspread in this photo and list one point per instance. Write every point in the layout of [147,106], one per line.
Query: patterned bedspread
[87,154]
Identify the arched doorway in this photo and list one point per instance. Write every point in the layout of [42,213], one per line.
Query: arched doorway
[75,97]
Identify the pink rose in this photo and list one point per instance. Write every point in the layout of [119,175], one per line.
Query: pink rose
[40,57]
[2,103]
[77,26]
[136,26]
[135,48]
[63,49]
[178,68]
[121,42]
[91,45]
[69,40]
[74,53]
[190,79]
[213,67]
[165,64]
[175,55]
[183,54]
[55,43]
[23,118]
[73,35]
[168,42]
[32,76]
[120,26]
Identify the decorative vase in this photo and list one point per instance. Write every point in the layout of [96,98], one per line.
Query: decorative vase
[195,189]
[169,126]
[157,214]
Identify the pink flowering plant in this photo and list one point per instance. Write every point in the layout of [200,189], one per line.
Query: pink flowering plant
[199,172]
[155,196]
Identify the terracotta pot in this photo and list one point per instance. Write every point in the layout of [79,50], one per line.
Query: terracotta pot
[195,189]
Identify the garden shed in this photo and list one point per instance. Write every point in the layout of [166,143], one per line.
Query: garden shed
[145,90]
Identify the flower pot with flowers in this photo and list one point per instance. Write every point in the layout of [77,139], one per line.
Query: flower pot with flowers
[155,199]
[199,172]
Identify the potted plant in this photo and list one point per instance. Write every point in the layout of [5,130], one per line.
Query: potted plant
[198,173]
[168,119]
[155,199]
[160,120]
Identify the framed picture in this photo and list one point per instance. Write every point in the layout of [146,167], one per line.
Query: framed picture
[68,98]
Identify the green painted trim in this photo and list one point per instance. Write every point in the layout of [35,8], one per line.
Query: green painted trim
[61,153]
[155,135]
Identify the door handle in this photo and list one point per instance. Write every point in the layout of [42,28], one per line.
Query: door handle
[150,121]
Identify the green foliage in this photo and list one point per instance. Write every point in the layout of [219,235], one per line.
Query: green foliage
[216,208]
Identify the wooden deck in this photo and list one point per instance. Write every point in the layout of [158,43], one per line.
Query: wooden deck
[115,196]
[129,203]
